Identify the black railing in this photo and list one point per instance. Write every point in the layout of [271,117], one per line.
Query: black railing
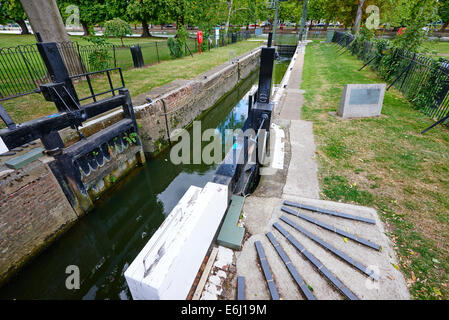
[88,78]
[21,71]
[423,80]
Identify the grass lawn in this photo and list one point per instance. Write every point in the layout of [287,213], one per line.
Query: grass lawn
[385,163]
[136,80]
[12,40]
[437,48]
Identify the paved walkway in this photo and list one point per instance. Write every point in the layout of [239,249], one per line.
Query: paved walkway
[298,182]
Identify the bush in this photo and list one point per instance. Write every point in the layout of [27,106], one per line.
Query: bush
[177,44]
[176,47]
[99,58]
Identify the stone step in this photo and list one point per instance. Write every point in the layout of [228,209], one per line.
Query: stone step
[231,236]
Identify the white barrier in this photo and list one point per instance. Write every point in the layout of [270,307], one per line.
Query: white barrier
[168,264]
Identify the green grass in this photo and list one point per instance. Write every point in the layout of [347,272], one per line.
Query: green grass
[136,80]
[437,48]
[385,163]
[12,40]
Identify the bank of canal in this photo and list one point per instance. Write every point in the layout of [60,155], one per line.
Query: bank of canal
[104,242]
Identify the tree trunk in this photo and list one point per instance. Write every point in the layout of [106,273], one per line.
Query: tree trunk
[229,15]
[358,18]
[444,26]
[86,29]
[45,18]
[23,26]
[326,26]
[145,31]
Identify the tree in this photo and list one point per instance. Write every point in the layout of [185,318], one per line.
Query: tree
[358,17]
[229,15]
[117,28]
[443,12]
[291,11]
[145,11]
[12,10]
[91,12]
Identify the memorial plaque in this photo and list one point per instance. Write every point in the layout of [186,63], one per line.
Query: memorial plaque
[361,100]
[364,96]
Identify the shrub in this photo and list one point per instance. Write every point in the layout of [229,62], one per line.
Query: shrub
[99,58]
[177,44]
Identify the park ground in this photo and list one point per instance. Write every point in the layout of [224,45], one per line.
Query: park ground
[12,40]
[137,81]
[385,163]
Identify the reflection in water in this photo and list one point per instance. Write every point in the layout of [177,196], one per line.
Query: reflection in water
[105,241]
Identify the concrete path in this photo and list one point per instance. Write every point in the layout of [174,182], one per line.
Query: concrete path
[298,182]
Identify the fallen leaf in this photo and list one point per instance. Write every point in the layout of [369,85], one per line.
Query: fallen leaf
[435,260]
[437,291]
[345,240]
[394,265]
[413,276]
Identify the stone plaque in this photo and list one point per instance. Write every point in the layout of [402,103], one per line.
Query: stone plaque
[361,100]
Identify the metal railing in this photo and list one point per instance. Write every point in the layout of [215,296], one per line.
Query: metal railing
[22,70]
[421,79]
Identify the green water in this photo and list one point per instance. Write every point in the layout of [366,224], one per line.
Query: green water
[105,241]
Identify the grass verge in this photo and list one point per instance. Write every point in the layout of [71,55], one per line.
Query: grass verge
[385,163]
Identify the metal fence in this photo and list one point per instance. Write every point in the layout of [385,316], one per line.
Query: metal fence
[423,80]
[22,69]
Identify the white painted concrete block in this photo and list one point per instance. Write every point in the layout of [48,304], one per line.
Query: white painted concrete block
[167,266]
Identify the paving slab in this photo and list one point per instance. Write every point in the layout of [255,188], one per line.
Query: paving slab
[302,178]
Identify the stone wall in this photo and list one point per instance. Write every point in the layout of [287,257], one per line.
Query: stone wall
[33,211]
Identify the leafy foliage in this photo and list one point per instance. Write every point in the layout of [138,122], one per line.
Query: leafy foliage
[177,44]
[91,12]
[117,28]
[99,58]
[12,10]
[421,13]
[146,10]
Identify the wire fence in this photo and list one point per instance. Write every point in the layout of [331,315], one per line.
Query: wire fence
[22,69]
[423,80]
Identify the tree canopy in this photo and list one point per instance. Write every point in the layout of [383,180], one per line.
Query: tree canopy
[12,10]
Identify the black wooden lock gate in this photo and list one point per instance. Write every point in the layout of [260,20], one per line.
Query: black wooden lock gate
[86,154]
